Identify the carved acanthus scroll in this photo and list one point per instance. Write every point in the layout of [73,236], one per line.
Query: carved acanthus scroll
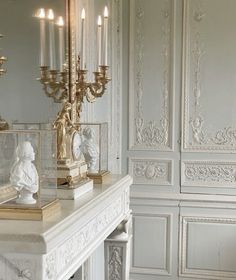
[201,136]
[152,133]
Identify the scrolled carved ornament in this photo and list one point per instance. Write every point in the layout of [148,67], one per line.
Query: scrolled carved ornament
[150,170]
[210,172]
[201,137]
[152,134]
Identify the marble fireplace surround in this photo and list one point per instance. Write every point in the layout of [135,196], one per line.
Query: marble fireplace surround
[54,249]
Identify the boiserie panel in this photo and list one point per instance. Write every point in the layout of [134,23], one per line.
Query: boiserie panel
[151,74]
[209,82]
[210,174]
[151,171]
[154,252]
[207,247]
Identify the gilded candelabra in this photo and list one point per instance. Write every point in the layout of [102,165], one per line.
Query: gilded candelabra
[90,90]
[55,83]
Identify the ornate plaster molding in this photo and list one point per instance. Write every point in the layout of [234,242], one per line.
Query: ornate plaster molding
[197,136]
[209,173]
[151,171]
[150,134]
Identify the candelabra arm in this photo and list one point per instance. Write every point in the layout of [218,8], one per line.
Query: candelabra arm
[98,88]
[58,90]
[90,90]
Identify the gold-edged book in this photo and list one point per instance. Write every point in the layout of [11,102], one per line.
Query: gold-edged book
[42,210]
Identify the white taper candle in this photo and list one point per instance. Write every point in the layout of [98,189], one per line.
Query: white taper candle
[41,15]
[82,48]
[52,53]
[99,42]
[105,36]
[60,23]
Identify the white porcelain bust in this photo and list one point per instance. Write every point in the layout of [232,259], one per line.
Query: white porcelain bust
[24,175]
[89,149]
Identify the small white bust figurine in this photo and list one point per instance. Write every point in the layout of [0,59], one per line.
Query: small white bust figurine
[24,175]
[89,149]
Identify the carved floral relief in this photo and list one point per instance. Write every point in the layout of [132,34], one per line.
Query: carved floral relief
[151,134]
[205,173]
[115,263]
[151,171]
[197,133]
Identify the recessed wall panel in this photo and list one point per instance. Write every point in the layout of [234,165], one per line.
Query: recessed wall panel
[151,244]
[151,74]
[208,249]
[209,82]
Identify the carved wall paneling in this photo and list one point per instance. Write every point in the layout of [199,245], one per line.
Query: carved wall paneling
[151,129]
[151,171]
[159,242]
[155,246]
[208,85]
[200,240]
[207,145]
[209,174]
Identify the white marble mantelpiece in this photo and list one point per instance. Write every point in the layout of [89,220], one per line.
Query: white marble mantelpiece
[56,248]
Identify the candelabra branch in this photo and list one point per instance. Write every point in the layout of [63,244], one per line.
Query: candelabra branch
[3,59]
[52,86]
[90,90]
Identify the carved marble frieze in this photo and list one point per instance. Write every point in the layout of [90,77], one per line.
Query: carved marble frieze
[67,253]
[209,173]
[146,133]
[151,171]
[185,244]
[198,132]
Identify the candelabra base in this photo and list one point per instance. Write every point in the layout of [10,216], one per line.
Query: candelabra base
[100,177]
